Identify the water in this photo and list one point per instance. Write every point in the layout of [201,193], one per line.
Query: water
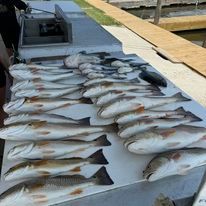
[172,11]
[195,36]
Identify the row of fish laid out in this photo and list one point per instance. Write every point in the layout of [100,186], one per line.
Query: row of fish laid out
[54,164]
[147,128]
[48,191]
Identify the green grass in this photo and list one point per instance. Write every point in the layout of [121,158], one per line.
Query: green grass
[96,14]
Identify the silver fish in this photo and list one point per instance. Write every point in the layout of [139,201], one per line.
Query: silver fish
[73,61]
[149,114]
[54,149]
[50,118]
[38,84]
[94,75]
[118,63]
[49,93]
[39,105]
[45,191]
[48,168]
[31,66]
[48,131]
[99,89]
[127,104]
[112,95]
[100,80]
[178,162]
[123,70]
[43,75]
[138,126]
[161,140]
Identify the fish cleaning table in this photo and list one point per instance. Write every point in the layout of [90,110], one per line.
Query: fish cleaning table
[124,168]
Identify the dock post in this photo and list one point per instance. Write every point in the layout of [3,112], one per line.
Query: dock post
[158,12]
[204,43]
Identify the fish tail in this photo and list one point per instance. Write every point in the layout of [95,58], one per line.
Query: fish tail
[112,128]
[86,101]
[98,158]
[153,87]
[102,177]
[193,117]
[102,141]
[84,121]
[180,97]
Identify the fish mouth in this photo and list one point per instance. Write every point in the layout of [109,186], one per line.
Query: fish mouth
[13,105]
[147,176]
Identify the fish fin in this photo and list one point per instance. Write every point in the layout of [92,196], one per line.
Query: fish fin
[180,97]
[180,110]
[102,141]
[184,170]
[102,177]
[84,121]
[193,117]
[38,124]
[32,99]
[167,133]
[98,158]
[85,101]
[140,109]
[111,128]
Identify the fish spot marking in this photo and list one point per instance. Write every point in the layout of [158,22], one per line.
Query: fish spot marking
[140,109]
[167,133]
[76,169]
[172,144]
[176,156]
[43,143]
[39,105]
[44,132]
[44,173]
[66,105]
[36,125]
[48,151]
[76,192]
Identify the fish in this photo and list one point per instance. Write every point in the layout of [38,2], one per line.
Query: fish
[123,70]
[161,140]
[22,66]
[127,104]
[37,105]
[35,150]
[43,75]
[153,78]
[119,63]
[99,89]
[41,85]
[73,61]
[49,168]
[45,191]
[138,114]
[94,75]
[50,118]
[178,162]
[138,126]
[100,80]
[112,95]
[163,201]
[48,93]
[49,131]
